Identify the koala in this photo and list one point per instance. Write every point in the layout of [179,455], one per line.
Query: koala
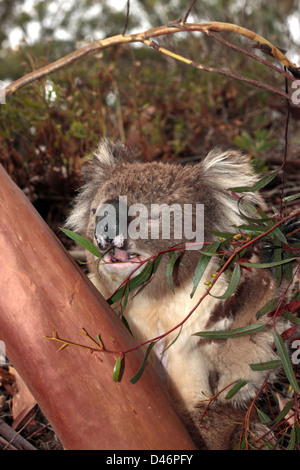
[198,372]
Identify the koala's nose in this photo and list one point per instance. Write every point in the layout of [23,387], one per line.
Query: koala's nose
[111,225]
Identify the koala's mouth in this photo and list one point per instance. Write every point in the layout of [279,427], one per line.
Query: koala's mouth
[117,255]
[121,264]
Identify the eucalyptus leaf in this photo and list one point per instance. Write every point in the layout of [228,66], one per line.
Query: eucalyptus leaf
[287,365]
[240,384]
[138,375]
[264,418]
[265,265]
[117,369]
[224,235]
[285,411]
[291,198]
[252,228]
[136,281]
[265,180]
[266,365]
[235,278]
[82,241]
[202,264]
[170,266]
[268,307]
[246,330]
[292,441]
[291,317]
[259,185]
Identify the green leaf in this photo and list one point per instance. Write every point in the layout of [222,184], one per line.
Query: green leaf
[292,441]
[175,339]
[170,266]
[235,277]
[288,368]
[82,241]
[240,189]
[266,365]
[268,307]
[137,376]
[224,235]
[260,184]
[136,281]
[156,263]
[125,298]
[264,418]
[211,249]
[117,369]
[265,180]
[285,411]
[291,198]
[126,324]
[291,317]
[297,430]
[278,234]
[240,384]
[265,265]
[252,228]
[254,220]
[246,330]
[288,268]
[202,264]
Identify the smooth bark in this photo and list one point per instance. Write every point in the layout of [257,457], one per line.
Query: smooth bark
[42,291]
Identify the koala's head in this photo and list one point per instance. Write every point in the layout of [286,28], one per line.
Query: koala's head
[132,211]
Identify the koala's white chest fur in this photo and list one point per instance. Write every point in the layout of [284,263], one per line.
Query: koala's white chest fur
[149,319]
[177,357]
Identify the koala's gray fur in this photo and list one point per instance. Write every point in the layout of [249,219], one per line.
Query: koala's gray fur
[192,368]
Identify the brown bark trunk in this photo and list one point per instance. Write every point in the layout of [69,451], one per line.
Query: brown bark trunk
[41,291]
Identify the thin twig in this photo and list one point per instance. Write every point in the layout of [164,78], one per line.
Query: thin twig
[188,11]
[127,17]
[207,68]
[219,38]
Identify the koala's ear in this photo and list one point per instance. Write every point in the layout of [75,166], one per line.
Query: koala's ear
[106,156]
[228,169]
[109,154]
[224,170]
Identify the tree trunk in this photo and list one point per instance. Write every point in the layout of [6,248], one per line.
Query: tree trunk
[42,291]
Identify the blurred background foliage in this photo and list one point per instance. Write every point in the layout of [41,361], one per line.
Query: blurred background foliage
[165,110]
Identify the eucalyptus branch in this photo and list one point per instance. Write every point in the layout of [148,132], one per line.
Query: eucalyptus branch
[146,38]
[127,17]
[99,347]
[188,11]
[220,39]
[207,68]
